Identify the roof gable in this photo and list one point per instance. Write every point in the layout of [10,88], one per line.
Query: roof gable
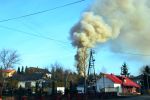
[37,70]
[128,82]
[113,78]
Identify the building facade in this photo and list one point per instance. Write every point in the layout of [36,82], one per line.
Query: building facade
[119,84]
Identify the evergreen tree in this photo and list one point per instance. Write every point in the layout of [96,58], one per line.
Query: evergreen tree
[22,70]
[146,77]
[1,72]
[18,71]
[36,87]
[26,69]
[124,70]
[53,87]
[147,69]
[1,76]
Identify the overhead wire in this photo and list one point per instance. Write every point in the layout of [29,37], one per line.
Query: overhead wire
[63,42]
[30,28]
[40,34]
[136,54]
[36,35]
[35,13]
[48,38]
[31,34]
[43,11]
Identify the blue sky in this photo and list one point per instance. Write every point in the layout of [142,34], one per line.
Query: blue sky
[55,24]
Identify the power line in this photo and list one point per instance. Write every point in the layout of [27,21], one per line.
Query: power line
[36,35]
[136,54]
[31,34]
[63,42]
[30,28]
[39,12]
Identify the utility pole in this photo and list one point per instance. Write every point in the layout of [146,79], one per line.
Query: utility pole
[91,72]
[103,80]
[147,82]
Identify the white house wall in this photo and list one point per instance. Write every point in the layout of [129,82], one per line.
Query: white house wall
[102,83]
[22,84]
[33,83]
[61,90]
[118,87]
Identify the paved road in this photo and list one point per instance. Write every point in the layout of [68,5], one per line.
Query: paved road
[143,97]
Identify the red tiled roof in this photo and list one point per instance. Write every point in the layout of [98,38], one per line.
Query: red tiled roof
[119,80]
[113,78]
[8,71]
[128,82]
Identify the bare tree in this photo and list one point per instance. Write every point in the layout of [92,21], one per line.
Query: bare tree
[8,58]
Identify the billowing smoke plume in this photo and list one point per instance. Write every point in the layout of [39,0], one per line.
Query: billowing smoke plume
[125,22]
[131,19]
[86,34]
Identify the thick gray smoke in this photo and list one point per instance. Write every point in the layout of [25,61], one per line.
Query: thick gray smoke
[129,20]
[125,22]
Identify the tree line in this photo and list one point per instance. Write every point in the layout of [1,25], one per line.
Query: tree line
[59,75]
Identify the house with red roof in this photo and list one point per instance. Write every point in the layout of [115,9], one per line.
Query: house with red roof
[8,72]
[129,86]
[119,84]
